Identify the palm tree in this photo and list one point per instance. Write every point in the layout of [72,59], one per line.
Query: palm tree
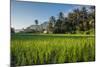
[61,16]
[77,18]
[52,20]
[36,22]
[50,27]
[84,16]
[92,17]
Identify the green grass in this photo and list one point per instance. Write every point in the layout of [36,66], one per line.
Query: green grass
[51,48]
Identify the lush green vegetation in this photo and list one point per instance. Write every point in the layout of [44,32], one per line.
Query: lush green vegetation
[79,20]
[50,48]
[68,38]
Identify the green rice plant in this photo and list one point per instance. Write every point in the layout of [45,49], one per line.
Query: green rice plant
[50,49]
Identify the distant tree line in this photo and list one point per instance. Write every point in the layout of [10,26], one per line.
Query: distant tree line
[79,20]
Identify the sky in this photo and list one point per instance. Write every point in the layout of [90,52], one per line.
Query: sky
[24,13]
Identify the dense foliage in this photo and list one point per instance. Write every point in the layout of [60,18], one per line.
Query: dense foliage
[77,21]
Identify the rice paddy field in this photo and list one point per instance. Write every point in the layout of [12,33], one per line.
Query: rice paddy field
[51,49]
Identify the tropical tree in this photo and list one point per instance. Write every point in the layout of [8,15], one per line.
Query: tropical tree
[50,27]
[61,16]
[52,20]
[84,17]
[36,22]
[76,18]
[91,17]
[71,20]
[59,25]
